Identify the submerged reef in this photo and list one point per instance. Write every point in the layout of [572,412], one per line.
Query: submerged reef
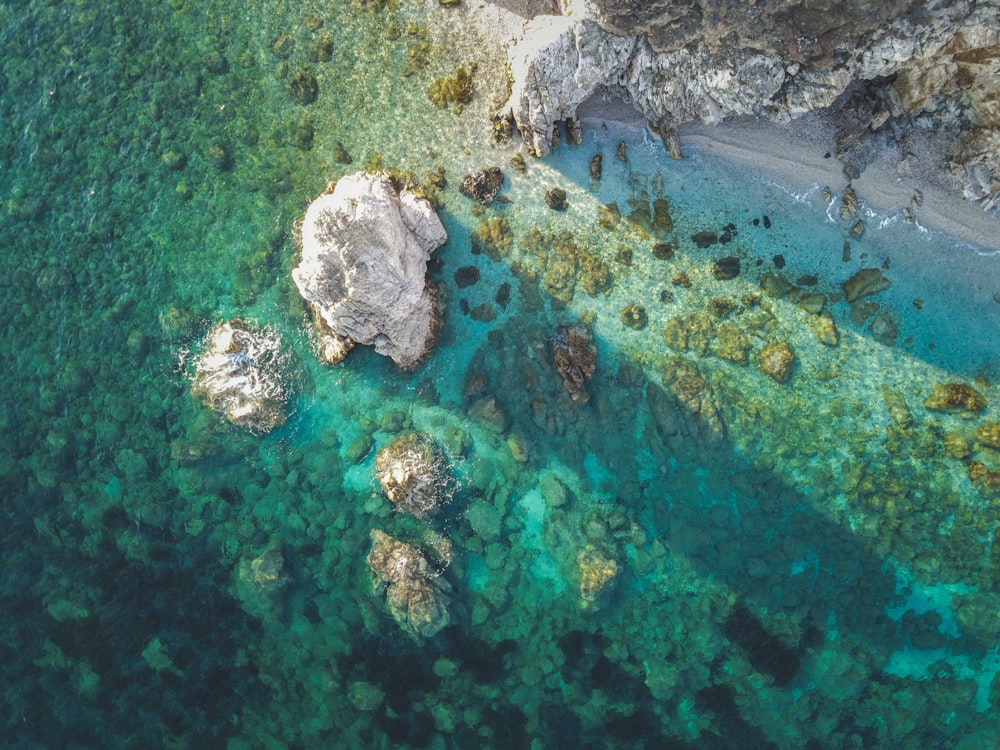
[240,374]
[365,248]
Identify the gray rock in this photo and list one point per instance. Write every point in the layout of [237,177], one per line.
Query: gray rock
[875,64]
[365,248]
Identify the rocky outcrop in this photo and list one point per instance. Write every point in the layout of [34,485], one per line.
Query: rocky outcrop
[365,247]
[919,64]
[555,65]
[417,597]
[413,474]
[239,374]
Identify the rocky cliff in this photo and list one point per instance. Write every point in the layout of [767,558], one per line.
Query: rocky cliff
[881,67]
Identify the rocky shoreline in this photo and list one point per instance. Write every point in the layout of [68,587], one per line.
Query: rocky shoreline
[900,77]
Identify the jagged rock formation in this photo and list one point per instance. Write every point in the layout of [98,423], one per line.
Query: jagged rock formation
[917,64]
[365,247]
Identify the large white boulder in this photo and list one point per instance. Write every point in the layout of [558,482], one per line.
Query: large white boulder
[365,247]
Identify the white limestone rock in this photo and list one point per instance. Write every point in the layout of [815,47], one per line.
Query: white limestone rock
[365,248]
[555,65]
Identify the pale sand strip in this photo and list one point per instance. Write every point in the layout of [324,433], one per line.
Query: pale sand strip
[793,155]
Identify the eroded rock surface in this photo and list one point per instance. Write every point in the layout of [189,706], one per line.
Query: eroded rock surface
[365,247]
[413,474]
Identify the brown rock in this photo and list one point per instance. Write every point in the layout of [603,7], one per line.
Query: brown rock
[988,434]
[955,398]
[776,360]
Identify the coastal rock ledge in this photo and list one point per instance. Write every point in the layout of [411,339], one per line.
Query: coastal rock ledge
[880,68]
[365,247]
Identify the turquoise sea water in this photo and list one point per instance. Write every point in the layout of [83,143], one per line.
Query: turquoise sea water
[797,565]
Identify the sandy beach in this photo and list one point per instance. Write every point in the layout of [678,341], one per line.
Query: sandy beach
[796,155]
[799,156]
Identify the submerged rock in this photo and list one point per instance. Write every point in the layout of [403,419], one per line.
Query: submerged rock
[416,595]
[576,359]
[955,398]
[239,374]
[413,474]
[988,434]
[776,360]
[826,331]
[365,248]
[556,199]
[483,185]
[726,268]
[596,572]
[864,283]
[634,316]
[704,239]
[899,412]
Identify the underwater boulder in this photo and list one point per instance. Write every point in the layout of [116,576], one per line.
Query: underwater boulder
[576,359]
[482,185]
[365,248]
[776,360]
[413,474]
[955,398]
[864,283]
[239,374]
[417,597]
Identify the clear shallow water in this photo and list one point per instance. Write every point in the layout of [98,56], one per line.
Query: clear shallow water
[793,569]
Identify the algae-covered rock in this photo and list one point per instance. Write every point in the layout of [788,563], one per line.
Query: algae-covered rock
[365,247]
[556,199]
[240,374]
[265,572]
[955,398]
[596,573]
[776,360]
[303,88]
[984,479]
[775,285]
[864,283]
[575,359]
[731,344]
[988,434]
[899,412]
[482,185]
[634,316]
[414,474]
[454,89]
[416,595]
[726,268]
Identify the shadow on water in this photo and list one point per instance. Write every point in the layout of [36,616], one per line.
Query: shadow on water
[797,577]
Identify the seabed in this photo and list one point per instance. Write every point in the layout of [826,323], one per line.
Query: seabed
[700,555]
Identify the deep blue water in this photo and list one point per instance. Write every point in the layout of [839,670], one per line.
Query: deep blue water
[794,567]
